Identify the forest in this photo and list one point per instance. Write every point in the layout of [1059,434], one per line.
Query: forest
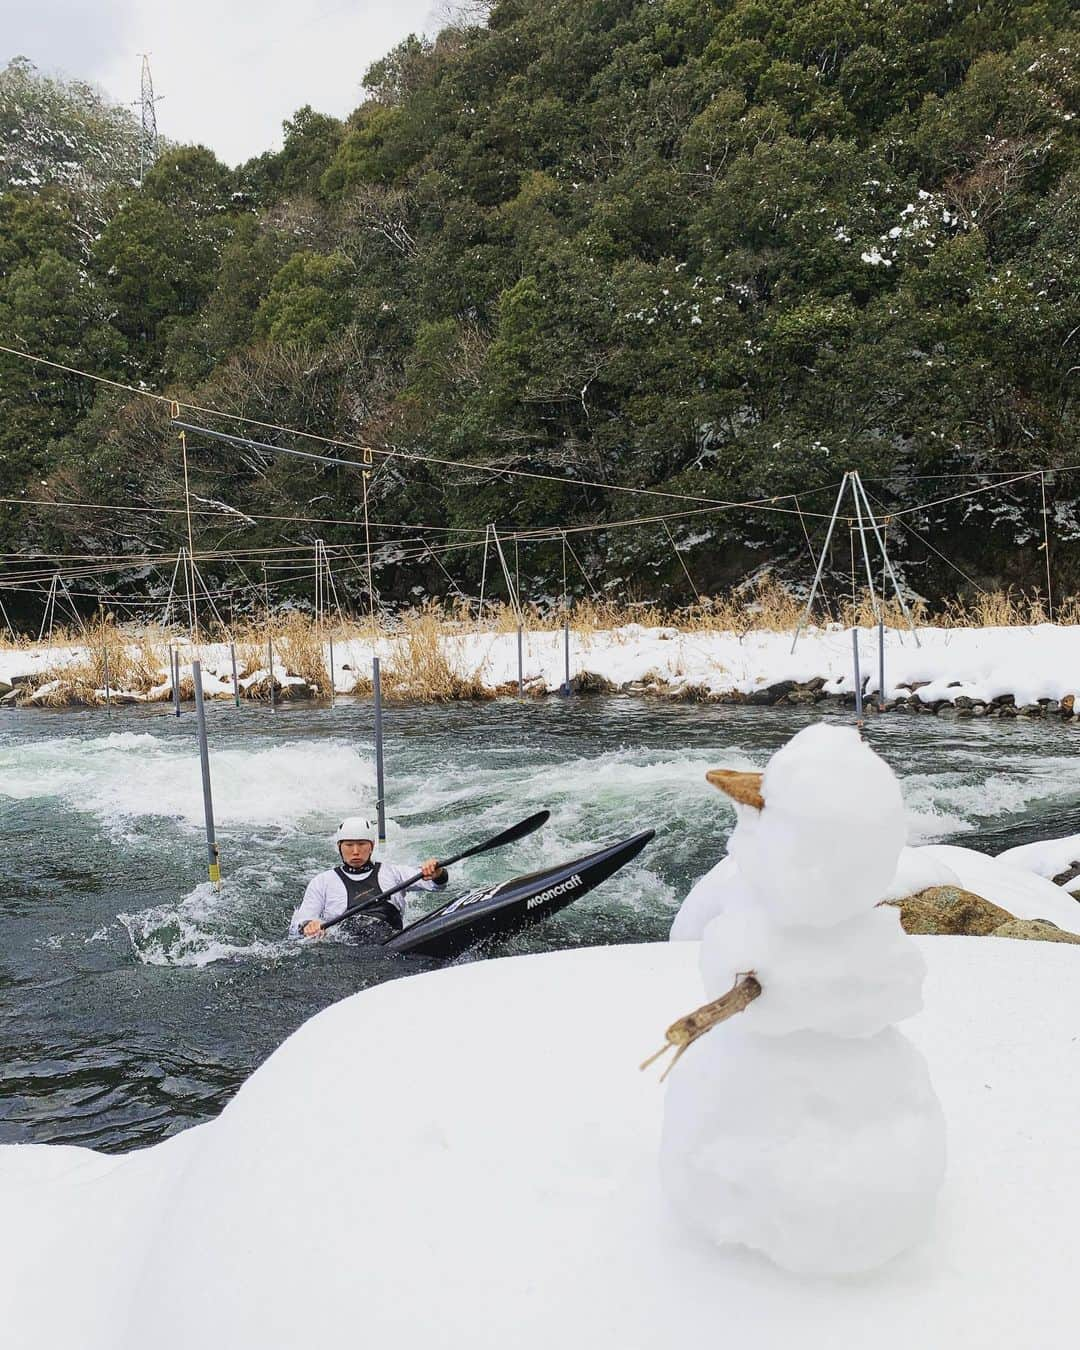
[601,270]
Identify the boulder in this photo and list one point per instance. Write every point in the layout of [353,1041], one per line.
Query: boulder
[773,693]
[1034,930]
[691,693]
[1069,879]
[5,688]
[588,682]
[950,910]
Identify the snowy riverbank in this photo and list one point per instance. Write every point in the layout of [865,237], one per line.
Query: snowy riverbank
[469,1158]
[973,672]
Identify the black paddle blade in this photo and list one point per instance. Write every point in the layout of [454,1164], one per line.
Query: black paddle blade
[510,836]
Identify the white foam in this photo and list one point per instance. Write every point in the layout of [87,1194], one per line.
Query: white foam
[127,776]
[190,933]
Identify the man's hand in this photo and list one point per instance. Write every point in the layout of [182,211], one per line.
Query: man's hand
[431,871]
[313,928]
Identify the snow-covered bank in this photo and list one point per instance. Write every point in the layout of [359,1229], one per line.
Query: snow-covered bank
[977,671]
[468,1158]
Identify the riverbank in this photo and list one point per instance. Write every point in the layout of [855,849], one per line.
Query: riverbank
[1005,672]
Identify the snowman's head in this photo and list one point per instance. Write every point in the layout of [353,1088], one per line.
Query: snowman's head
[820,831]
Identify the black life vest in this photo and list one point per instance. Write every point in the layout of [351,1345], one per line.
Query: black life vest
[360,886]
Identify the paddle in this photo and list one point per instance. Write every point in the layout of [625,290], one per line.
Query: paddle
[515,832]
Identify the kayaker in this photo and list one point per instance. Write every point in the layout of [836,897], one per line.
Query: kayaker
[359,876]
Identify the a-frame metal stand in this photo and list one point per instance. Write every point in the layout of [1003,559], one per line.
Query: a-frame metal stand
[863,520]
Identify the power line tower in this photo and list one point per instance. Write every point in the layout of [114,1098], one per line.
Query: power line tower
[148,139]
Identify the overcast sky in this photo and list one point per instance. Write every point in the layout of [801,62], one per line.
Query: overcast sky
[228,72]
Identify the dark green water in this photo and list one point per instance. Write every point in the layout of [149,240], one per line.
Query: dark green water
[134,999]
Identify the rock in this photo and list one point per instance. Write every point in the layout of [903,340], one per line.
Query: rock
[1067,708]
[5,688]
[804,696]
[771,694]
[1069,875]
[691,693]
[587,682]
[950,910]
[1030,710]
[1034,930]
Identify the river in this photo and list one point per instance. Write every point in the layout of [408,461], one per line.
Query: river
[134,999]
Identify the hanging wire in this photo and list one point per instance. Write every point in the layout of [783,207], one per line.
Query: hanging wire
[682,564]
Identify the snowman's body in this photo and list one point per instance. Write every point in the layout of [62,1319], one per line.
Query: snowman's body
[807,1128]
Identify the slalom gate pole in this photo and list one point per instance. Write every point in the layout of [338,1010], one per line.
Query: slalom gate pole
[235,676]
[521,665]
[332,681]
[270,667]
[858,676]
[566,655]
[380,777]
[108,691]
[175,661]
[213,856]
[881,664]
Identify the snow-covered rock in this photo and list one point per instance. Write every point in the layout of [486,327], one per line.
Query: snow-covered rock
[1047,858]
[1023,893]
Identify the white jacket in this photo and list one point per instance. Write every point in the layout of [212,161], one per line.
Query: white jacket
[326,896]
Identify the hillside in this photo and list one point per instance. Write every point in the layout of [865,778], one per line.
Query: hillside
[713,248]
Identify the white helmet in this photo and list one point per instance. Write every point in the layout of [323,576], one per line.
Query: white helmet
[355,827]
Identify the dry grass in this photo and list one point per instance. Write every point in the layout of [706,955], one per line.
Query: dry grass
[419,671]
[109,659]
[300,647]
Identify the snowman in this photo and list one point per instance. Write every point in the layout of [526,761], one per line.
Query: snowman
[808,1129]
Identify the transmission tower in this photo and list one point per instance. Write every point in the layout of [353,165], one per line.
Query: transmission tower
[148,140]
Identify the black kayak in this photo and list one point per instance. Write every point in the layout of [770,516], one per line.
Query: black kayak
[508,907]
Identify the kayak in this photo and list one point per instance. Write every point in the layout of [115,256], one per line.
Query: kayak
[508,907]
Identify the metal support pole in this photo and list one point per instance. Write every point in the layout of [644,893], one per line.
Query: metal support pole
[380,778]
[857,486]
[521,664]
[213,856]
[865,551]
[235,675]
[332,680]
[108,691]
[270,667]
[175,679]
[821,562]
[566,655]
[881,664]
[858,676]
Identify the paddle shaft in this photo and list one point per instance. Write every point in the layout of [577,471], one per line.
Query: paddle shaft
[518,831]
